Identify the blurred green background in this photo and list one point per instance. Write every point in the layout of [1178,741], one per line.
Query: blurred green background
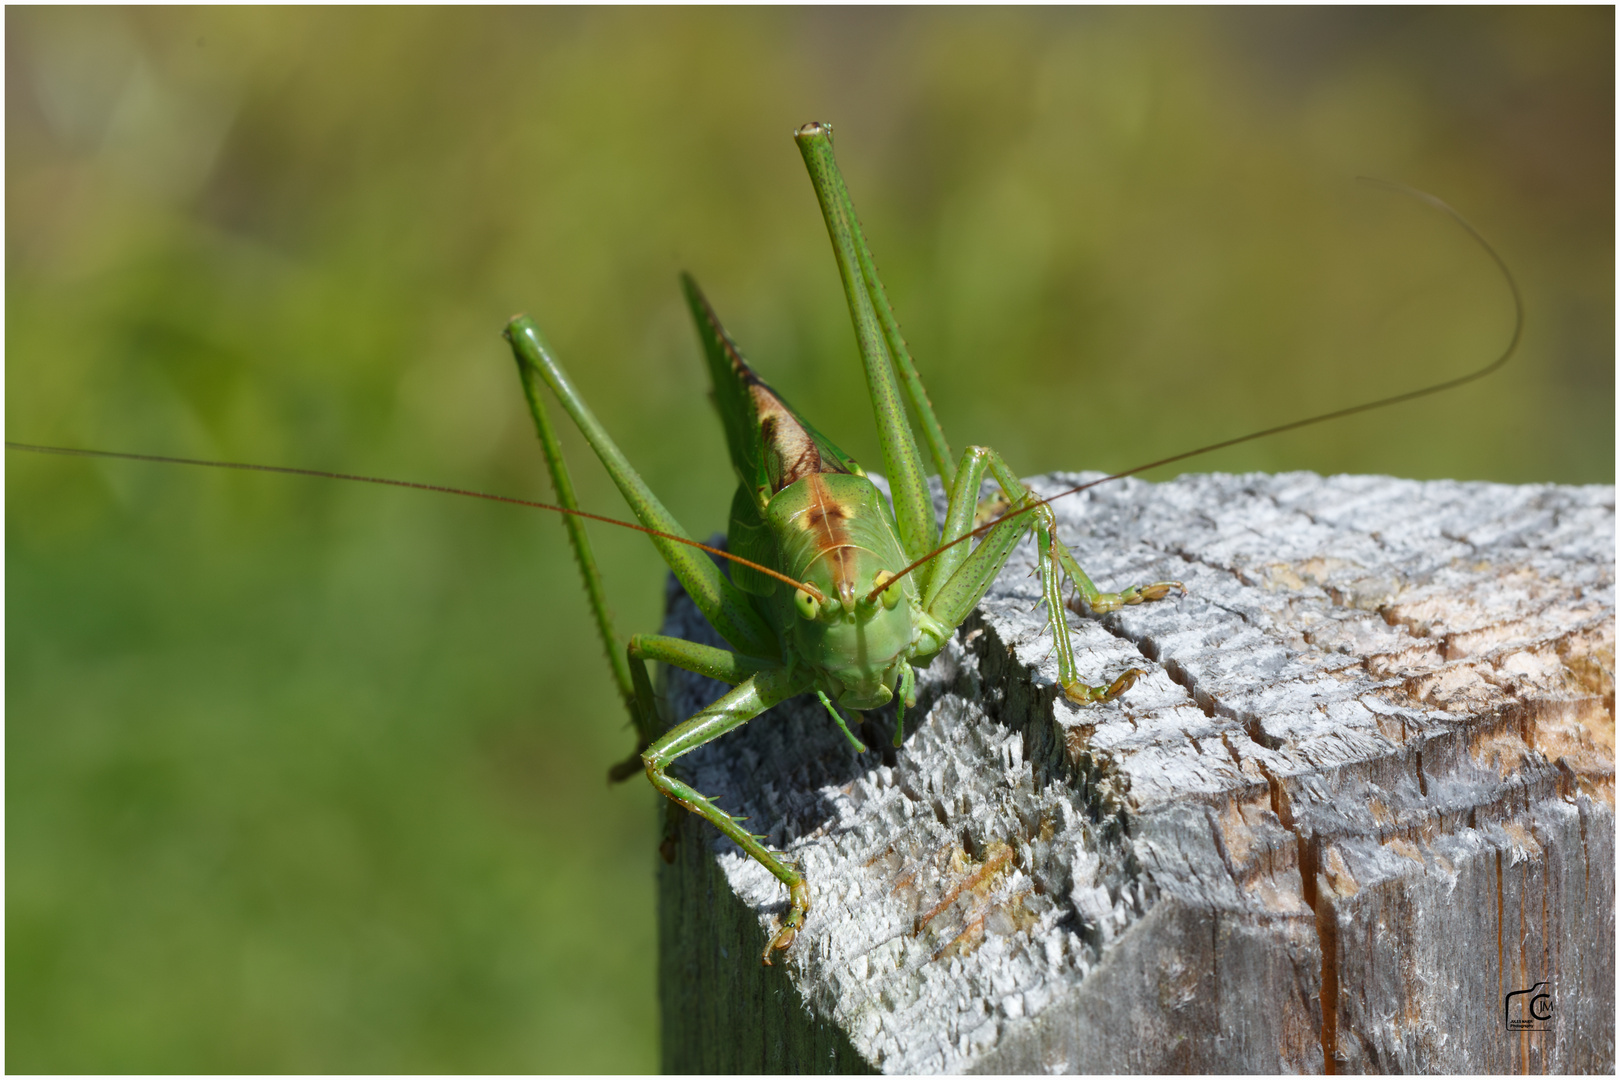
[304,776]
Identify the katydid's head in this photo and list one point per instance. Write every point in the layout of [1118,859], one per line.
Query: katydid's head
[856,642]
[834,533]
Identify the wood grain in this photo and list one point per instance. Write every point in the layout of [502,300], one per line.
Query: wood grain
[1365,792]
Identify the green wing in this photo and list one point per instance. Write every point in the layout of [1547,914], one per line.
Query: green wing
[771,443]
[731,396]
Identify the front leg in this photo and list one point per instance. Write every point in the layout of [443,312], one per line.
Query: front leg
[1090,600]
[959,580]
[750,698]
[1056,561]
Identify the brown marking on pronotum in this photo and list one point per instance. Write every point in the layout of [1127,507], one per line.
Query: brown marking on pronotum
[824,520]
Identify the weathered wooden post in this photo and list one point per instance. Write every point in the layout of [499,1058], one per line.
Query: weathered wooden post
[1359,816]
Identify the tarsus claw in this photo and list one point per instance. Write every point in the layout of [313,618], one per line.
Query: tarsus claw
[1081,694]
[1156,591]
[784,937]
[798,908]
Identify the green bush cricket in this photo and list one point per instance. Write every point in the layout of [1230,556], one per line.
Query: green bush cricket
[857,595]
[830,591]
[861,593]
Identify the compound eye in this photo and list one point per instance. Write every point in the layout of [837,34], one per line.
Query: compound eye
[807,605]
[891,595]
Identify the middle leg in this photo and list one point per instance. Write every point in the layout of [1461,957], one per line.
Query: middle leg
[959,580]
[747,700]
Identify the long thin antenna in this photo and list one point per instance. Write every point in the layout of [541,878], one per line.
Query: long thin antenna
[287,470]
[1449,384]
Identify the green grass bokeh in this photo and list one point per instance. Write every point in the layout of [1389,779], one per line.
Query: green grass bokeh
[304,776]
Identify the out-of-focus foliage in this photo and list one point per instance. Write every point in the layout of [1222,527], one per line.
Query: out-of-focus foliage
[309,777]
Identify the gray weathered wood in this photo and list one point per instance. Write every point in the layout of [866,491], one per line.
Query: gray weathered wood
[1366,791]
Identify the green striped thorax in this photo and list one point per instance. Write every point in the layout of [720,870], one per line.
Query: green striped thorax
[835,531]
[805,508]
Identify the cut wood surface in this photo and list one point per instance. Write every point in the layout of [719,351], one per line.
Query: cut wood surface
[1365,792]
